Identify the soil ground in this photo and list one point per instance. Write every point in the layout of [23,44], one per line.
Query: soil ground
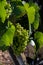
[5,58]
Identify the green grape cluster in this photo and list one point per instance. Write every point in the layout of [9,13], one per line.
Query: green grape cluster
[5,10]
[20,39]
[7,38]
[38,36]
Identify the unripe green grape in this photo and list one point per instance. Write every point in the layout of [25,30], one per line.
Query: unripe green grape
[20,39]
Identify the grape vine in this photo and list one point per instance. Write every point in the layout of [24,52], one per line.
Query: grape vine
[13,34]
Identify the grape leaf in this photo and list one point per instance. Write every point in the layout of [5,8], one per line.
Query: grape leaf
[35,24]
[38,36]
[26,5]
[7,37]
[18,9]
[31,14]
[4,12]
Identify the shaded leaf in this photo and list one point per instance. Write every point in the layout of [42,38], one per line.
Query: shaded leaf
[18,9]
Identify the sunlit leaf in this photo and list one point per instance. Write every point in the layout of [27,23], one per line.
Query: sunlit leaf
[7,37]
[31,14]
[38,36]
[4,11]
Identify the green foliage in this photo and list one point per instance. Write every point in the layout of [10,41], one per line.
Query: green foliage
[16,35]
[26,6]
[35,5]
[38,36]
[30,12]
[4,10]
[7,38]
[35,24]
[20,39]
[18,9]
